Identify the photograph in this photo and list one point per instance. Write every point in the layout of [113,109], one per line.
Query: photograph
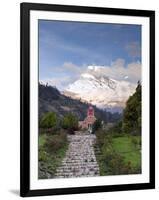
[89,99]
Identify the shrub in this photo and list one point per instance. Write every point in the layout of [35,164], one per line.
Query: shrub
[100,134]
[42,155]
[55,142]
[52,149]
[70,122]
[97,125]
[116,164]
[49,120]
[111,162]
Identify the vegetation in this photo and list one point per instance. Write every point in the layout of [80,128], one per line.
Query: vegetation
[70,122]
[132,113]
[118,155]
[97,125]
[52,145]
[49,120]
[53,141]
[118,150]
[128,149]
[52,150]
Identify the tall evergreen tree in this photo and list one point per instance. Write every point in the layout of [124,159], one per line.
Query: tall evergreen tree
[132,113]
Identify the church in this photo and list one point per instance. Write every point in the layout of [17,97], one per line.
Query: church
[88,121]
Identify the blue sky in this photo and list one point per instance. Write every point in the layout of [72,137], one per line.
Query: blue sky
[67,48]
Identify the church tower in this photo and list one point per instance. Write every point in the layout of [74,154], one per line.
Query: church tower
[90,119]
[90,112]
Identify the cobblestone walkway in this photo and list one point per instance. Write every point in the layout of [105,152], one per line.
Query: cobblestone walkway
[80,160]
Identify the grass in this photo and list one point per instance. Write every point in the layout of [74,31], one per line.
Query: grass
[118,154]
[42,140]
[130,151]
[52,149]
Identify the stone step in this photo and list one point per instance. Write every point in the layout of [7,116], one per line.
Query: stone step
[77,168]
[80,158]
[79,164]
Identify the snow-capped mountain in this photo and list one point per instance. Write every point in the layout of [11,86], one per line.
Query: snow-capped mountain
[95,87]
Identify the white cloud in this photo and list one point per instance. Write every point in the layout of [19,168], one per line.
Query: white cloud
[118,70]
[69,66]
[65,74]
[118,63]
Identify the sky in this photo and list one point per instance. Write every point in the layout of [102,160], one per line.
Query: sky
[67,48]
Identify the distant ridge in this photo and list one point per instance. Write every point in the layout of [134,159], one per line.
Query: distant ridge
[50,99]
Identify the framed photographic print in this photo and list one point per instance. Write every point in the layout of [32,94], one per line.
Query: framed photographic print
[87,99]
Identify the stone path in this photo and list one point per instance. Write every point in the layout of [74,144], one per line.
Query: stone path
[80,160]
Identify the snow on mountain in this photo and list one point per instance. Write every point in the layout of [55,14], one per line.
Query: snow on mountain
[95,87]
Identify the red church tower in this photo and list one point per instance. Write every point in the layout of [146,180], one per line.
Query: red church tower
[90,111]
[89,120]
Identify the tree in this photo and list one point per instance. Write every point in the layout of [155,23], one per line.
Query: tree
[132,113]
[49,120]
[97,125]
[70,122]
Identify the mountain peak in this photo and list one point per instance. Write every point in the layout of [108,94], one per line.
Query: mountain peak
[97,88]
[87,76]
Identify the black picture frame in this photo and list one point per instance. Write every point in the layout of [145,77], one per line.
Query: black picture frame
[25,9]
